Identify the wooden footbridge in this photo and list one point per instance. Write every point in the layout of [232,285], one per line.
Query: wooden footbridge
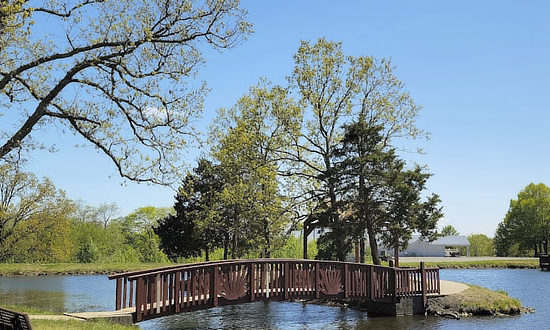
[169,290]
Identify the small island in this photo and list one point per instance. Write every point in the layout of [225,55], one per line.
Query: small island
[475,300]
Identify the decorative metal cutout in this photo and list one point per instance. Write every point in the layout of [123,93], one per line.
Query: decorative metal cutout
[232,285]
[330,281]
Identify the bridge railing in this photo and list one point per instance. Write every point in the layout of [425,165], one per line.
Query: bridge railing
[174,289]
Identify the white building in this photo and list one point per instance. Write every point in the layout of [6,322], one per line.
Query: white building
[442,247]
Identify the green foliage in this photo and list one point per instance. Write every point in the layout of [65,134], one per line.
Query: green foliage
[526,226]
[137,228]
[333,90]
[34,218]
[449,231]
[121,54]
[196,224]
[293,249]
[481,245]
[87,253]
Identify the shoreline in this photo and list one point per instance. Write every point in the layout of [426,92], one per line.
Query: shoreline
[64,269]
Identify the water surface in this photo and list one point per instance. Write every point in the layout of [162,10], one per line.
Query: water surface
[96,292]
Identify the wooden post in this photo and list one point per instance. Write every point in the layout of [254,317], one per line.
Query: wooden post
[139,299]
[371,282]
[215,286]
[131,301]
[346,281]
[124,292]
[158,292]
[317,284]
[286,279]
[423,274]
[118,293]
[394,278]
[177,292]
[251,283]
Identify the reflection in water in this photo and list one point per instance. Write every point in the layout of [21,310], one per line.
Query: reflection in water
[262,315]
[45,300]
[59,293]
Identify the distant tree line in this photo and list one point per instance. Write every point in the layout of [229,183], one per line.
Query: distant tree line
[318,149]
[38,223]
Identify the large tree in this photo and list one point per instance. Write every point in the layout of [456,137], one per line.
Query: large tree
[405,212]
[196,225]
[527,222]
[118,73]
[250,138]
[364,164]
[333,89]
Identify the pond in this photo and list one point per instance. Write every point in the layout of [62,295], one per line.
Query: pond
[94,293]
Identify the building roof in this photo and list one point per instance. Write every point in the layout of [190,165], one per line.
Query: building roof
[452,241]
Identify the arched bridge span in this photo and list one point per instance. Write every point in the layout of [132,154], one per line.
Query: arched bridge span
[169,290]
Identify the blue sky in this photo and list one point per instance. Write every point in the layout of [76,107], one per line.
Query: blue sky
[479,69]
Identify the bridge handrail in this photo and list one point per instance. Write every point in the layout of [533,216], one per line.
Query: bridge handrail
[192,266]
[149,272]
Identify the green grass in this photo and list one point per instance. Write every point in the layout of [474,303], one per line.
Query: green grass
[30,310]
[14,269]
[529,263]
[475,300]
[479,300]
[78,325]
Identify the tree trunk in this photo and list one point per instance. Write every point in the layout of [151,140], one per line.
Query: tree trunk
[362,249]
[234,246]
[304,242]
[372,244]
[357,252]
[207,254]
[336,225]
[267,249]
[226,247]
[396,255]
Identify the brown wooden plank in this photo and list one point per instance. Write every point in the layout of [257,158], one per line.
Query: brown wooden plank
[215,286]
[139,299]
[124,292]
[118,293]
[286,280]
[251,281]
[164,298]
[178,295]
[131,300]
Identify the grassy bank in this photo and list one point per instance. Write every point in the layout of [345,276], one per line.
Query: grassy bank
[15,269]
[78,325]
[41,324]
[475,301]
[481,264]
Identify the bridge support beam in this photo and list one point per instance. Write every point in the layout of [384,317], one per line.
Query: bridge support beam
[400,307]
